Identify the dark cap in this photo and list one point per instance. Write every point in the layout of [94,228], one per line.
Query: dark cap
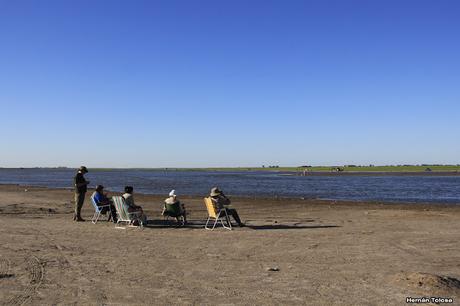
[83,169]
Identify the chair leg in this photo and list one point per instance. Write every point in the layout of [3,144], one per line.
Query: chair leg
[167,218]
[229,223]
[215,223]
[207,222]
[119,225]
[213,226]
[110,214]
[227,219]
[221,216]
[95,217]
[226,226]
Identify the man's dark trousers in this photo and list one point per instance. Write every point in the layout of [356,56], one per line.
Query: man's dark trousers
[79,199]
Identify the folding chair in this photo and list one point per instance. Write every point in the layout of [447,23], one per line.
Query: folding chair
[123,214]
[98,210]
[217,215]
[174,211]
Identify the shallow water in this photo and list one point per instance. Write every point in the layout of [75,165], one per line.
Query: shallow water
[417,188]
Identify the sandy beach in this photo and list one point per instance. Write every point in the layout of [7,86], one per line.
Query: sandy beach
[322,253]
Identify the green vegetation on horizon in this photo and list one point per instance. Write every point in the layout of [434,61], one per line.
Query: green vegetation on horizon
[405,168]
[391,168]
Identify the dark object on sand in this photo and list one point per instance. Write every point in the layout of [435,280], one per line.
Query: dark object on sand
[273,269]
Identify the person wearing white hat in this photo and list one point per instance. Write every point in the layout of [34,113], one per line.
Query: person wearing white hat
[222,202]
[174,208]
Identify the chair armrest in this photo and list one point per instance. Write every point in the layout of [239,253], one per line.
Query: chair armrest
[103,206]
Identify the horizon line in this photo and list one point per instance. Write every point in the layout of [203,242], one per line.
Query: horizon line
[241,167]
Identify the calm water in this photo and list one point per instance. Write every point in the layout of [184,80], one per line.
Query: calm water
[436,189]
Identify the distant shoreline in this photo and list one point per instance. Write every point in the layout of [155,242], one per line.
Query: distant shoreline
[450,170]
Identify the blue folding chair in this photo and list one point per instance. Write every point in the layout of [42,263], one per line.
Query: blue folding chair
[98,210]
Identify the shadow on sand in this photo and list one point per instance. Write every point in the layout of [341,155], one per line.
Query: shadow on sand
[200,225]
[285,226]
[166,224]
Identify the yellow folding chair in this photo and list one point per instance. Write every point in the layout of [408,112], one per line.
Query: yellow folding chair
[217,215]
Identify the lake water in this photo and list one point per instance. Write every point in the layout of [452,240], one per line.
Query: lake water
[406,188]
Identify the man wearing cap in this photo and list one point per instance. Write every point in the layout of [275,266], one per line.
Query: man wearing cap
[222,202]
[80,190]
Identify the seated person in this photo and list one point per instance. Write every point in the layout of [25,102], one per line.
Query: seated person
[131,207]
[173,211]
[221,202]
[101,199]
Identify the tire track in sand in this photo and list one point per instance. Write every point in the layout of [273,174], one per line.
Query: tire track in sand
[100,298]
[4,268]
[36,273]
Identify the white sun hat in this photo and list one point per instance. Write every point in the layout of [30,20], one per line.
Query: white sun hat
[172,193]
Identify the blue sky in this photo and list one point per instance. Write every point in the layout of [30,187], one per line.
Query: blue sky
[229,83]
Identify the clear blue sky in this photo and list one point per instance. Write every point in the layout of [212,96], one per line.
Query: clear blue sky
[229,83]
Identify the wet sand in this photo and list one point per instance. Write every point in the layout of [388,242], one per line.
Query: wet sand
[326,252]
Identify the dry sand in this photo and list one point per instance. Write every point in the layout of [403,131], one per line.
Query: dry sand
[325,252]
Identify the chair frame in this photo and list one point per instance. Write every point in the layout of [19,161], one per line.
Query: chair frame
[182,219]
[217,215]
[166,217]
[125,216]
[98,210]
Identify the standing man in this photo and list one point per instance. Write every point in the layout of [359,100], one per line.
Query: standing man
[80,191]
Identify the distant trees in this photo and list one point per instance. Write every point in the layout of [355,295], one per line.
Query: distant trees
[270,166]
[344,167]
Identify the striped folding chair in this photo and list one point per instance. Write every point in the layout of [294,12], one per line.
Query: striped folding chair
[123,214]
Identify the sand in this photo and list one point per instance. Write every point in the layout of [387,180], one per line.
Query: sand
[293,251]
